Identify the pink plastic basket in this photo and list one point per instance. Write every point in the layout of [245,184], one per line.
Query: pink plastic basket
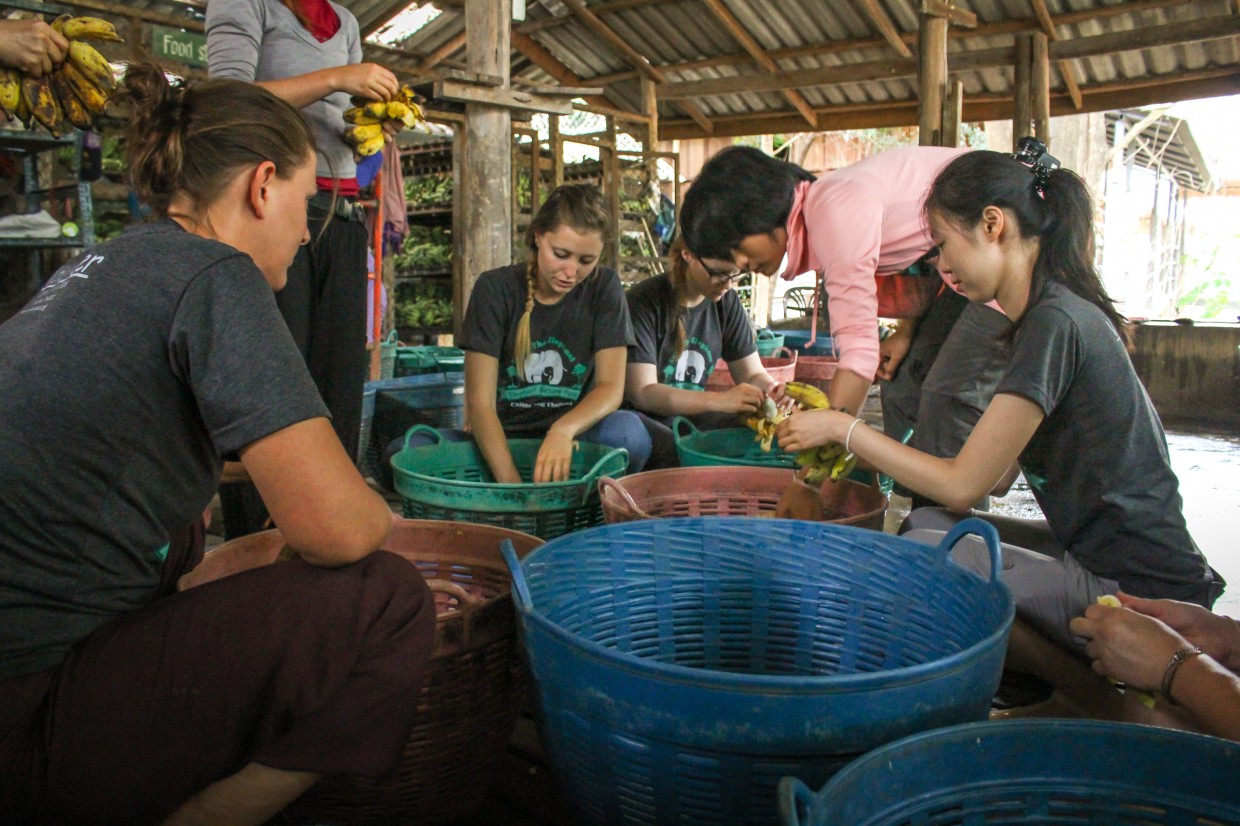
[816,370]
[780,367]
[723,490]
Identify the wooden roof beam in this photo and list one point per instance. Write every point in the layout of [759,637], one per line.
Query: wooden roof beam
[755,50]
[1065,67]
[600,8]
[1218,82]
[549,63]
[878,16]
[1211,28]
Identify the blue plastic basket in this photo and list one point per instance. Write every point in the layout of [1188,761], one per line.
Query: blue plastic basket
[435,399]
[683,666]
[1030,772]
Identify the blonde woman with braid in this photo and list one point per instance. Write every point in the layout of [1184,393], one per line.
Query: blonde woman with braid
[546,342]
[684,322]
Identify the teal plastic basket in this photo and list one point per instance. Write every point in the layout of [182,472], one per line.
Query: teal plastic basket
[1029,772]
[768,341]
[417,361]
[451,480]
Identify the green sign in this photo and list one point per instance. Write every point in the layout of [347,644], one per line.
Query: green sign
[186,47]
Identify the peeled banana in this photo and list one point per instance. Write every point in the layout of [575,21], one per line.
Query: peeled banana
[76,91]
[764,422]
[821,463]
[86,28]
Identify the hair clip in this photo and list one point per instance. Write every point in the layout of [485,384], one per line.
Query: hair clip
[1032,153]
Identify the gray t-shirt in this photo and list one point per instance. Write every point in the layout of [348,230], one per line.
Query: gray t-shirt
[1098,463]
[563,340]
[713,330]
[123,383]
[262,40]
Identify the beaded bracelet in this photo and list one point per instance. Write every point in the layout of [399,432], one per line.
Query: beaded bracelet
[1177,659]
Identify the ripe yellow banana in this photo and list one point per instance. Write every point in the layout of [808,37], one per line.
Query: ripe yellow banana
[93,66]
[375,109]
[42,102]
[371,146]
[357,116]
[359,135]
[10,91]
[86,28]
[74,110]
[807,395]
[92,98]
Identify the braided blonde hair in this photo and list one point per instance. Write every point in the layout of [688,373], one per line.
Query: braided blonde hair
[580,206]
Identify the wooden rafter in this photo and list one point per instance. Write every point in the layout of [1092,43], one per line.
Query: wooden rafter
[550,64]
[1064,66]
[633,56]
[879,17]
[754,48]
[1215,82]
[601,8]
[1212,28]
[998,29]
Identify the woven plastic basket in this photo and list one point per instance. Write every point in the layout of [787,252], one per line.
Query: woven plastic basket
[817,370]
[474,688]
[683,666]
[779,367]
[417,361]
[387,356]
[731,491]
[434,399]
[451,480]
[1030,771]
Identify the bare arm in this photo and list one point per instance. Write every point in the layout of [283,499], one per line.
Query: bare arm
[324,508]
[848,391]
[366,80]
[555,455]
[481,386]
[644,392]
[991,449]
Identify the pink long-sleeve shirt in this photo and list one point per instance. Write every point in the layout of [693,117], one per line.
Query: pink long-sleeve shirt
[858,226]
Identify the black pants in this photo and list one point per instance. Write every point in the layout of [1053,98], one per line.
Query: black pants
[324,306]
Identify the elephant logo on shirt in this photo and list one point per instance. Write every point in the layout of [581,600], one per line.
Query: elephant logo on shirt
[690,367]
[544,367]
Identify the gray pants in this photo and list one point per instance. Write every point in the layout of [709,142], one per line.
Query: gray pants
[1049,585]
[948,377]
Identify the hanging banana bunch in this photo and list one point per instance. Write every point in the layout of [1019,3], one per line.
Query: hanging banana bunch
[367,118]
[75,92]
[821,463]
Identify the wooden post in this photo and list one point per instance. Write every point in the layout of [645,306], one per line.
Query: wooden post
[650,108]
[1022,112]
[931,78]
[486,191]
[953,109]
[1040,87]
[557,150]
[610,158]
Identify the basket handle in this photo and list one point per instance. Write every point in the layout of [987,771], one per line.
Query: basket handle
[593,473]
[795,801]
[424,429]
[791,354]
[676,426]
[612,484]
[520,590]
[986,532]
[391,338]
[443,586]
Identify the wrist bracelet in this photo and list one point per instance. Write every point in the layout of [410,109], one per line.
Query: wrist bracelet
[848,436]
[1177,659]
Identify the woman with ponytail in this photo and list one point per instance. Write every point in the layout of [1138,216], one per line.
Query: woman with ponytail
[546,342]
[1069,408]
[860,229]
[127,381]
[684,322]
[309,53]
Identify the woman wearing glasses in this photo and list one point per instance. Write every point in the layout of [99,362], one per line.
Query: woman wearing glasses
[861,228]
[683,323]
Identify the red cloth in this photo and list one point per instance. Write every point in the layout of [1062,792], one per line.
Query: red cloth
[324,23]
[343,186]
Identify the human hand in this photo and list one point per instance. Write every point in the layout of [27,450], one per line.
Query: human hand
[808,428]
[892,352]
[1127,646]
[1214,634]
[555,457]
[366,80]
[31,46]
[741,399]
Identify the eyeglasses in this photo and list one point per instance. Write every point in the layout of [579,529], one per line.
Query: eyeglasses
[724,277]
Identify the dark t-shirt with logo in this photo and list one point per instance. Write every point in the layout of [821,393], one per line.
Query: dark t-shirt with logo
[563,340]
[713,330]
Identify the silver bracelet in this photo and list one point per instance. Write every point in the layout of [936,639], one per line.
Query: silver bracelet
[1177,659]
[848,436]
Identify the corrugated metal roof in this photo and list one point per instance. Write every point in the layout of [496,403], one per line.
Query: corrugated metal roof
[1163,143]
[1190,49]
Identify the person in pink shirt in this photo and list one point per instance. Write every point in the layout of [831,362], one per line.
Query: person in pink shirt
[861,228]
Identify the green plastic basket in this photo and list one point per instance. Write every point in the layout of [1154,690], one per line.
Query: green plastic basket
[387,355]
[768,342]
[737,446]
[451,480]
[416,361]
